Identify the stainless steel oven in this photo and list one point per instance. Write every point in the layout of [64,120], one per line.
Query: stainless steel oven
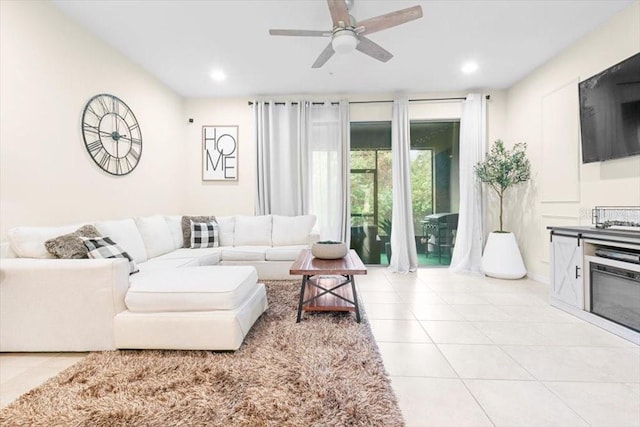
[613,290]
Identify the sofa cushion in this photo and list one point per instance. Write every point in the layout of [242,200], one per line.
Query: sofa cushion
[105,248]
[125,233]
[244,253]
[28,242]
[70,246]
[163,264]
[284,253]
[226,228]
[252,230]
[191,289]
[175,226]
[292,230]
[186,227]
[192,257]
[204,235]
[156,235]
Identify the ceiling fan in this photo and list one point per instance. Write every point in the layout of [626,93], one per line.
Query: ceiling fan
[348,34]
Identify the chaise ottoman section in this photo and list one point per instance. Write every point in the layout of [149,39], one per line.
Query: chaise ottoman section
[190,289]
[193,308]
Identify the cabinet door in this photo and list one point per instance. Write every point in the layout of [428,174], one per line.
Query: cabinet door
[566,271]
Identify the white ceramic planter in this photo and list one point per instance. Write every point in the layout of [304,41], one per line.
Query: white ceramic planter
[502,258]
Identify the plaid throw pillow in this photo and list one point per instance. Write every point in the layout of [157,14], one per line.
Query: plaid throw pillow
[104,247]
[204,235]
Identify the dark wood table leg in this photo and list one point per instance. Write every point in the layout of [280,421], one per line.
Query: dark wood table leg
[355,296]
[305,279]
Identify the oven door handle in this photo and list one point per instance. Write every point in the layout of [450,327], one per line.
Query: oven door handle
[634,278]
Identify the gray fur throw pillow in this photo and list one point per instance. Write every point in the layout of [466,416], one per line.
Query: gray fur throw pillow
[71,246]
[186,227]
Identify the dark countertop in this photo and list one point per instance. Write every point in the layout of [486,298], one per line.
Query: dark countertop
[597,232]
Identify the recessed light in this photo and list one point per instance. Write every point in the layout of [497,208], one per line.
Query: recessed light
[218,75]
[470,67]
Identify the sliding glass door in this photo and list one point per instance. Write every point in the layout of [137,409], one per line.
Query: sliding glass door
[434,189]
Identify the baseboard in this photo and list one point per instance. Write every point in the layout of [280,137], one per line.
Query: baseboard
[614,328]
[542,278]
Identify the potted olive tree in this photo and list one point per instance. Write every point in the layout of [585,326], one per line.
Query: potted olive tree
[501,170]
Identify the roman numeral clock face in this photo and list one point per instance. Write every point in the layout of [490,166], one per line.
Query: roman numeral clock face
[111,134]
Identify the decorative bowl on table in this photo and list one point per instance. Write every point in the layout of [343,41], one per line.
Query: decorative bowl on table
[329,250]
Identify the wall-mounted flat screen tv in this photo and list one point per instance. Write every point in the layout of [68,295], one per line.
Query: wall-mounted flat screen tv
[610,112]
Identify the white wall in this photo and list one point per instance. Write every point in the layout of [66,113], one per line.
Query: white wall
[49,68]
[614,182]
[219,198]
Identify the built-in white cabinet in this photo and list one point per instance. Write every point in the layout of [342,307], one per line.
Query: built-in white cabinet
[578,287]
[567,284]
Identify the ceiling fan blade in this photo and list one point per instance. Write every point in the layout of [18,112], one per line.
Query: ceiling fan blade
[324,56]
[339,12]
[389,20]
[374,50]
[302,33]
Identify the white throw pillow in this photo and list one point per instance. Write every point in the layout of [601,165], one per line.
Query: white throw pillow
[252,230]
[156,235]
[28,242]
[175,226]
[226,228]
[292,230]
[125,233]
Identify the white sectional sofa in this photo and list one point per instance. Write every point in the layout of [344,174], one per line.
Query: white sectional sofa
[181,298]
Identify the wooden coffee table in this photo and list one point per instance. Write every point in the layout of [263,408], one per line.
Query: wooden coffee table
[324,283]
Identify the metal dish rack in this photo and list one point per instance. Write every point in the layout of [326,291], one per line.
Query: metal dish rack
[616,216]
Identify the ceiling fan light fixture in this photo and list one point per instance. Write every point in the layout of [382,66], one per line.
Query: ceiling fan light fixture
[344,41]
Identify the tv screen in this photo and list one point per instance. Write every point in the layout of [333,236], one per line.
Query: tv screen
[610,112]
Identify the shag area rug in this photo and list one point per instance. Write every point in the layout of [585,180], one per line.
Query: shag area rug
[324,371]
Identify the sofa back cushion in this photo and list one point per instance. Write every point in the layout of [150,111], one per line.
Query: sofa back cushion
[292,230]
[226,229]
[28,242]
[175,226]
[156,235]
[252,230]
[125,233]
[6,251]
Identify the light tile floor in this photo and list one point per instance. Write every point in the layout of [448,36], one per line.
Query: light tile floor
[475,351]
[466,351]
[20,372]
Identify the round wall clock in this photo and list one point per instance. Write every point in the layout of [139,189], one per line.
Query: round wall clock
[111,134]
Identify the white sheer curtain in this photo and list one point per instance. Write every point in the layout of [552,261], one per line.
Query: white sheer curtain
[404,257]
[328,137]
[467,253]
[280,131]
[303,163]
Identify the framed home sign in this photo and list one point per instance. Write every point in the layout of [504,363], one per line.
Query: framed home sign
[219,153]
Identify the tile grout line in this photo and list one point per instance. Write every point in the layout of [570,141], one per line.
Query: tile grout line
[458,376]
[565,403]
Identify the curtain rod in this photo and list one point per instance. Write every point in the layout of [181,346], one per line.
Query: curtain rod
[463,98]
[296,103]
